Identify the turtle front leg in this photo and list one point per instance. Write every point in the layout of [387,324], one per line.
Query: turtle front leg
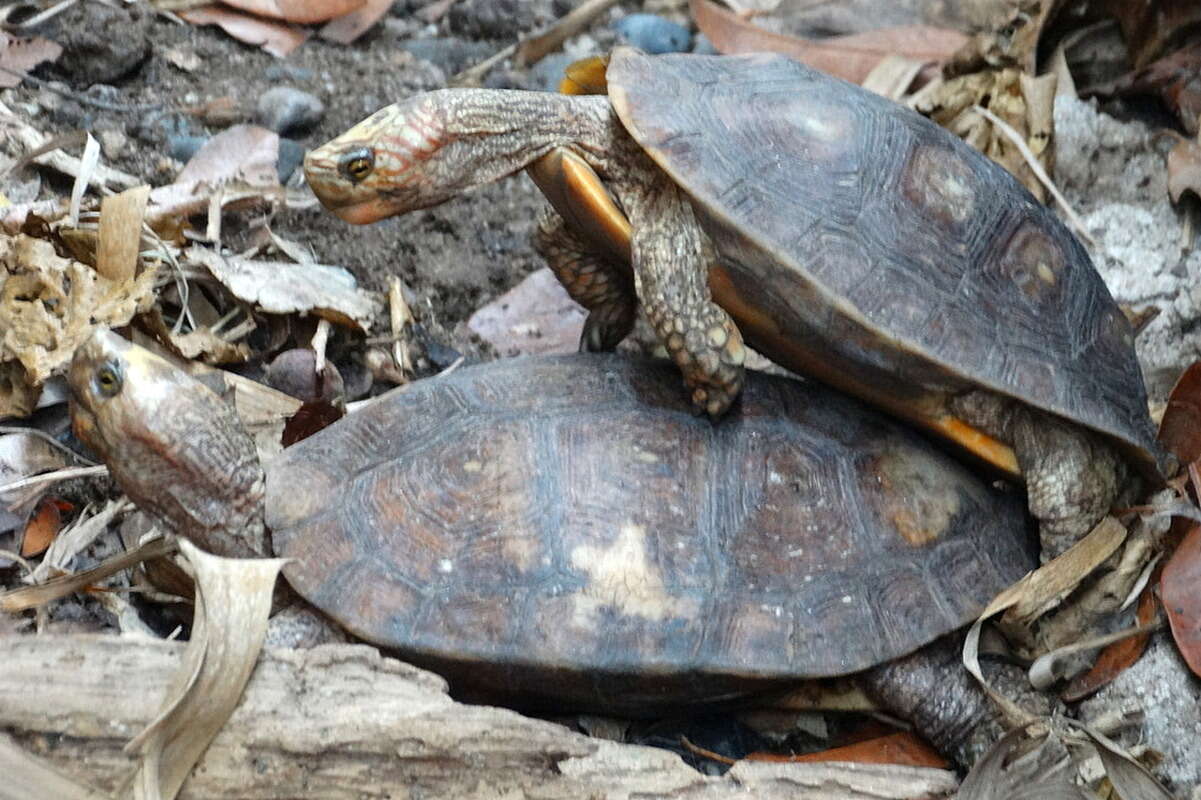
[594,280]
[1073,476]
[672,280]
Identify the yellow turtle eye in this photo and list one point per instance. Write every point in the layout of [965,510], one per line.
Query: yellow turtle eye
[357,164]
[108,380]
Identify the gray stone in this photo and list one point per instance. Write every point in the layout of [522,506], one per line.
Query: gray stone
[285,109]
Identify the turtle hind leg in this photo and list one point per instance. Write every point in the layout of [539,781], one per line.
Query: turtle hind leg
[594,280]
[671,272]
[1073,476]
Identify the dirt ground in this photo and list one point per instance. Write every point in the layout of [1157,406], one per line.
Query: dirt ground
[453,258]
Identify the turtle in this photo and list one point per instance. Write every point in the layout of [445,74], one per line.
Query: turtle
[846,237]
[566,530]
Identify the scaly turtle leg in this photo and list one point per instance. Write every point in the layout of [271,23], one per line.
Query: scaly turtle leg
[1073,477]
[672,280]
[593,279]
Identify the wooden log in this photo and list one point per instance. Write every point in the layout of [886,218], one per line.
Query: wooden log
[343,721]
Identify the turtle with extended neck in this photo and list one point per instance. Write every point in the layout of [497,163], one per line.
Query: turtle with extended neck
[848,237]
[566,530]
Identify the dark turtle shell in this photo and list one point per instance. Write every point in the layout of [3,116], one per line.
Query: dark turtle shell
[567,528]
[866,245]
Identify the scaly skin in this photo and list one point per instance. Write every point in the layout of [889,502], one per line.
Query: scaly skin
[172,445]
[434,146]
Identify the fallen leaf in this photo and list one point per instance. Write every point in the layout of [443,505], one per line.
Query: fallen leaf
[23,455]
[304,12]
[1130,778]
[49,305]
[851,57]
[233,601]
[1152,27]
[1005,772]
[1117,657]
[902,748]
[276,38]
[1175,79]
[246,153]
[350,26]
[43,526]
[120,234]
[1181,600]
[308,419]
[534,317]
[22,55]
[281,288]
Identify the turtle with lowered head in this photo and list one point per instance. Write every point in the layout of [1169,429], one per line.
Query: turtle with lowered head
[565,532]
[842,235]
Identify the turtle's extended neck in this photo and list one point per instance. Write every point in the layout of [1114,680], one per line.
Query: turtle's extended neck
[501,131]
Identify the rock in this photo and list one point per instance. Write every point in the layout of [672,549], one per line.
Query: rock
[182,147]
[546,74]
[494,19]
[448,54]
[285,109]
[113,143]
[91,54]
[291,153]
[653,34]
[1116,179]
[287,72]
[702,46]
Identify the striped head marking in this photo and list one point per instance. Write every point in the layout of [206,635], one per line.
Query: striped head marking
[383,166]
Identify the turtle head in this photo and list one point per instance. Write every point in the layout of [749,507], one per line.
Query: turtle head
[173,445]
[393,162]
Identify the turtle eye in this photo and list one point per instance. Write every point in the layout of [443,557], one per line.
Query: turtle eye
[357,164]
[108,380]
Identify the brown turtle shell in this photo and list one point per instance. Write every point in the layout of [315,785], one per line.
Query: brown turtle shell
[864,244]
[567,528]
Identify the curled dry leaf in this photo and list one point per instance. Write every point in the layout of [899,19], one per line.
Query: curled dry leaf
[902,748]
[281,288]
[277,38]
[22,55]
[233,601]
[21,456]
[43,526]
[535,316]
[49,305]
[851,57]
[304,12]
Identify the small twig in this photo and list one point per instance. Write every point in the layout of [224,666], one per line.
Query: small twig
[55,477]
[696,750]
[82,98]
[1037,168]
[50,440]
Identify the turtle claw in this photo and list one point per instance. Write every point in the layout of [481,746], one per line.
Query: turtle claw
[605,327]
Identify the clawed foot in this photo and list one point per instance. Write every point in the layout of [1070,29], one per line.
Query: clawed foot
[606,326]
[710,356]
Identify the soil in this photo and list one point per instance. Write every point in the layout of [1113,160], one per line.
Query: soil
[453,258]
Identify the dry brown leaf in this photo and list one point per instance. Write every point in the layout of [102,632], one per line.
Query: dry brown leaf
[903,748]
[120,234]
[43,526]
[246,153]
[851,57]
[535,316]
[348,27]
[233,601]
[50,305]
[276,38]
[1007,772]
[1117,657]
[1153,27]
[1130,778]
[1176,79]
[22,55]
[304,12]
[893,76]
[1184,169]
[281,288]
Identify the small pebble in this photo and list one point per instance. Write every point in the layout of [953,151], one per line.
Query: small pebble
[448,54]
[291,153]
[285,109]
[653,34]
[547,73]
[287,72]
[182,146]
[112,143]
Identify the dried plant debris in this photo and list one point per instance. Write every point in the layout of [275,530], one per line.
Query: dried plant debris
[851,57]
[281,288]
[48,306]
[1013,770]
[276,38]
[1184,169]
[1175,79]
[18,56]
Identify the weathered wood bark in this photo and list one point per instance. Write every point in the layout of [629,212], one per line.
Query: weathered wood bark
[342,721]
